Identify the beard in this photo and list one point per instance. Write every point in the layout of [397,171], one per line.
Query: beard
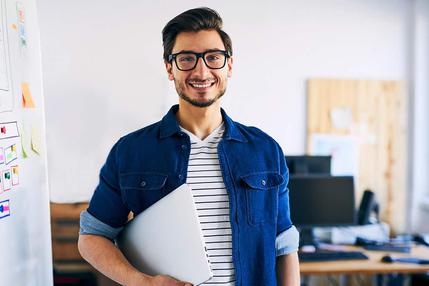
[195,102]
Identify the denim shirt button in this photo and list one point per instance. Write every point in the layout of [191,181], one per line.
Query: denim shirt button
[143,184]
[183,147]
[180,176]
[263,182]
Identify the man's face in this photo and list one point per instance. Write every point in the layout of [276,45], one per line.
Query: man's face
[201,86]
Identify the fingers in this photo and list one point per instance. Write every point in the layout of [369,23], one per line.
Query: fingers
[165,280]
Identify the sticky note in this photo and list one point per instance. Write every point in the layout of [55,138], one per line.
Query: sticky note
[24,154]
[36,140]
[4,209]
[7,182]
[25,141]
[1,155]
[13,26]
[15,175]
[27,99]
[10,154]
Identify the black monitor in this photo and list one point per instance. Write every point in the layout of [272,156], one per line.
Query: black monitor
[306,164]
[318,200]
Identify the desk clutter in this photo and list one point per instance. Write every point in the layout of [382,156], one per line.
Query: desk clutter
[349,234]
[332,243]
[331,256]
[390,246]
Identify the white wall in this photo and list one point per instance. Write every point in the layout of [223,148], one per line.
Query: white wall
[104,77]
[420,150]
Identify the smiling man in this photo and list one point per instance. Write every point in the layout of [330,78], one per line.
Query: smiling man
[206,81]
[237,173]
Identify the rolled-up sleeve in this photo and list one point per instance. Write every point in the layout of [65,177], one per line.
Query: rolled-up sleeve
[91,225]
[287,241]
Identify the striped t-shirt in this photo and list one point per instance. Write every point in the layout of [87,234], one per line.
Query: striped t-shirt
[212,203]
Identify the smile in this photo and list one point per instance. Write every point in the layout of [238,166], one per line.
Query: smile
[201,84]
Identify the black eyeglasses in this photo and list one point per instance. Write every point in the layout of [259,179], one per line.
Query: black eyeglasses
[186,61]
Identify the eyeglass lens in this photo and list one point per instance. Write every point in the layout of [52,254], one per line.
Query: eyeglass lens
[213,60]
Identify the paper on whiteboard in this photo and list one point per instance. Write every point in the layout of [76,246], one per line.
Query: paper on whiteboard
[6,95]
[343,149]
[341,117]
[4,79]
[36,139]
[27,98]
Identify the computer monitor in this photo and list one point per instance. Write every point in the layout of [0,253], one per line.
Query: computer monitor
[306,164]
[320,201]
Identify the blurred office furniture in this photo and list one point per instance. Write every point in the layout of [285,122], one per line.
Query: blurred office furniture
[321,201]
[306,164]
[349,234]
[69,267]
[378,272]
[368,207]
[374,113]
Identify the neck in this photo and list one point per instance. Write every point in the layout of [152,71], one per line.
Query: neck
[201,121]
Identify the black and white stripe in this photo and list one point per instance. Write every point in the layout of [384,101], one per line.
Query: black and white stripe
[212,203]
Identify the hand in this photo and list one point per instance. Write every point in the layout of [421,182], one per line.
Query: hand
[163,280]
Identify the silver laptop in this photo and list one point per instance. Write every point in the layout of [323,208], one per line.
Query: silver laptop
[166,239]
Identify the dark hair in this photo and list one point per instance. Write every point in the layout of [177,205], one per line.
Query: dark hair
[193,20]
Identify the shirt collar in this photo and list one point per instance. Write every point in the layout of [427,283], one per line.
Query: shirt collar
[170,126]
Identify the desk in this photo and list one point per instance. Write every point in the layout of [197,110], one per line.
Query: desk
[368,267]
[371,266]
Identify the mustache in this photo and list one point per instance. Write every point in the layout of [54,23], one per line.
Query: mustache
[199,80]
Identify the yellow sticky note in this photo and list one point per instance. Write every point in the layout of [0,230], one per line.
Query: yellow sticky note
[25,140]
[36,140]
[15,175]
[27,99]
[24,152]
[13,26]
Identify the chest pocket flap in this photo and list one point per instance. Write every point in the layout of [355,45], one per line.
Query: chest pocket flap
[142,181]
[141,190]
[261,191]
[263,180]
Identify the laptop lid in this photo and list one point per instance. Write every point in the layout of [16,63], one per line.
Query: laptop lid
[166,239]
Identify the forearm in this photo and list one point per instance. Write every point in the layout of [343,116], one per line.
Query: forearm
[288,270]
[109,260]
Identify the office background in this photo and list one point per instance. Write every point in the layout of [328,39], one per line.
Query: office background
[104,75]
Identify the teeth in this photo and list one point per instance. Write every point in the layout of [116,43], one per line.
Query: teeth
[201,85]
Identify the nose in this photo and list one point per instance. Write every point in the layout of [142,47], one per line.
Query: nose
[201,69]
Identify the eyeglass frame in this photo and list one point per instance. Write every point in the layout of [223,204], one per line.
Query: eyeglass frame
[172,57]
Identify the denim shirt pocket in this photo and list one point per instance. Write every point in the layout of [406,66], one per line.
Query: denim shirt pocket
[261,190]
[142,189]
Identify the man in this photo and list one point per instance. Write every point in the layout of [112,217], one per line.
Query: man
[239,171]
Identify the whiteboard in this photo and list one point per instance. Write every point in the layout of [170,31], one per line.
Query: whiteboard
[25,242]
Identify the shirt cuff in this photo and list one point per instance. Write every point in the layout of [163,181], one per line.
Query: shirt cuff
[91,225]
[287,241]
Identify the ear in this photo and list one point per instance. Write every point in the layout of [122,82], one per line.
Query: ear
[169,69]
[230,63]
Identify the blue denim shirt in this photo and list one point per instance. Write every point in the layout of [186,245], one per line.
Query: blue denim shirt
[147,164]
